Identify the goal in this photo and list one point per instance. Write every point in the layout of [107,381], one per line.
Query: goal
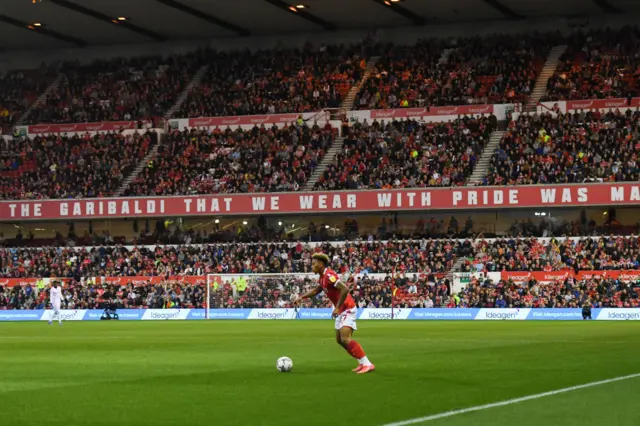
[246,291]
[274,291]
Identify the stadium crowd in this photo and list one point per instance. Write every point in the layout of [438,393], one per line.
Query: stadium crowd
[18,90]
[596,65]
[435,256]
[394,227]
[533,254]
[569,293]
[224,161]
[60,166]
[274,81]
[404,154]
[402,291]
[477,70]
[406,256]
[430,291]
[569,148]
[141,88]
[86,295]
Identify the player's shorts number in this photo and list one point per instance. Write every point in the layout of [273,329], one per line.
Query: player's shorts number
[347,319]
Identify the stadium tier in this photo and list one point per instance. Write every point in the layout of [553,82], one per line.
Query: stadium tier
[597,65]
[18,90]
[478,70]
[436,256]
[116,90]
[81,296]
[404,256]
[229,161]
[408,154]
[568,148]
[273,291]
[61,166]
[605,253]
[274,82]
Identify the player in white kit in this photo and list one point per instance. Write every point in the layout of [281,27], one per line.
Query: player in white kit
[55,296]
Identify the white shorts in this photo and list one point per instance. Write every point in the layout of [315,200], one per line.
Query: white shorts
[55,306]
[347,319]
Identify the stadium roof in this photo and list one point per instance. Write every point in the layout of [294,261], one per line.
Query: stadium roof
[38,24]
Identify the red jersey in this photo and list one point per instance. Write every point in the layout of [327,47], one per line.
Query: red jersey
[328,281]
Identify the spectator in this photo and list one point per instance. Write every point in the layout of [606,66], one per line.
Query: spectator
[117,89]
[60,166]
[274,82]
[561,294]
[423,256]
[597,65]
[478,70]
[569,148]
[406,154]
[18,90]
[532,254]
[227,161]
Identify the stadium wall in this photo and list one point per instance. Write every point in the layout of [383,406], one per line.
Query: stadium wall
[524,314]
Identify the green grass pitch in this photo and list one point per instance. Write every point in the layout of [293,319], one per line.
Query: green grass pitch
[223,373]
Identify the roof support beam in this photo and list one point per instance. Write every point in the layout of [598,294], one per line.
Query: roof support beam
[607,7]
[416,20]
[109,19]
[206,17]
[507,12]
[42,30]
[302,13]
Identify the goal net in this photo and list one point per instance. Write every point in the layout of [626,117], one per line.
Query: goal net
[229,291]
[268,291]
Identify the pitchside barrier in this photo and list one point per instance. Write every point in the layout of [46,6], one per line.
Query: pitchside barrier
[525,314]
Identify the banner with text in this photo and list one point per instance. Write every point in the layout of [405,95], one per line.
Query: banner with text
[523,314]
[515,276]
[188,279]
[328,202]
[603,105]
[12,282]
[430,114]
[618,103]
[249,121]
[553,276]
[107,126]
[153,280]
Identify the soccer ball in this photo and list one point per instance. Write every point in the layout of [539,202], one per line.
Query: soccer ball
[284,364]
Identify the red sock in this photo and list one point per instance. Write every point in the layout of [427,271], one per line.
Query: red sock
[355,350]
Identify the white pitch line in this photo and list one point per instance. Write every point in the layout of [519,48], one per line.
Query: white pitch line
[508,402]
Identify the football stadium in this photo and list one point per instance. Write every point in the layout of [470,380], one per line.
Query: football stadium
[370,212]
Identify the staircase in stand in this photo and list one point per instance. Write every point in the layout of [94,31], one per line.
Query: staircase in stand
[41,99]
[540,89]
[349,100]
[457,267]
[482,166]
[134,174]
[197,78]
[347,105]
[328,159]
